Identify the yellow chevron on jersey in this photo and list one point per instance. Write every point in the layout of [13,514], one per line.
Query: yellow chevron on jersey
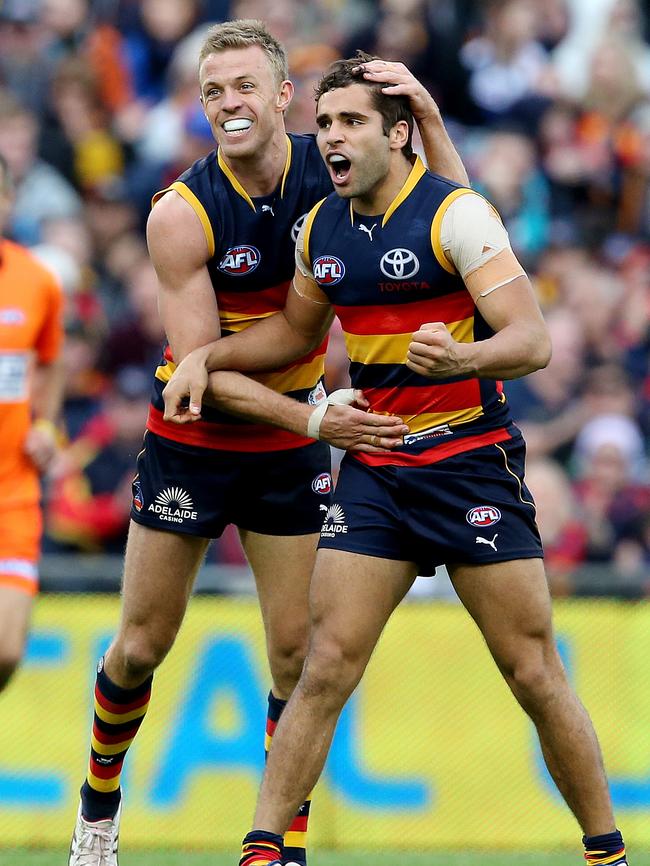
[237,186]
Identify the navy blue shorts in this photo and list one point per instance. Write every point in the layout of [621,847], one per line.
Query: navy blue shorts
[471,508]
[199,491]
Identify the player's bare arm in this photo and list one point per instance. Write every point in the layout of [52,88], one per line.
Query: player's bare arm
[442,156]
[266,345]
[41,442]
[271,343]
[520,345]
[179,253]
[476,244]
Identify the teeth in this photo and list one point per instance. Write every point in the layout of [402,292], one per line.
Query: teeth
[237,125]
[337,158]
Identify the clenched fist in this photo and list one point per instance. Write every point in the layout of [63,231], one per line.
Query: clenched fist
[433,352]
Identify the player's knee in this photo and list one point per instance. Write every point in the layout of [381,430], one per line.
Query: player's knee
[139,653]
[286,659]
[332,671]
[535,677]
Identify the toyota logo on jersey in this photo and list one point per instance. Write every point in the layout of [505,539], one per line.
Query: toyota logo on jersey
[239,261]
[483,515]
[399,264]
[295,228]
[328,270]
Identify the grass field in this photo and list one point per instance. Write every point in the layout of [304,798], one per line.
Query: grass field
[402,858]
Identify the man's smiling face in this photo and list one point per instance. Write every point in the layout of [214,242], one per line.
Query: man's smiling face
[242,99]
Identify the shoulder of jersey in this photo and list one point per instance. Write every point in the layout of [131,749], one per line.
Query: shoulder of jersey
[452,184]
[200,166]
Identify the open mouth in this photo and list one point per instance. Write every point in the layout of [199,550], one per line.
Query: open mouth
[339,167]
[237,127]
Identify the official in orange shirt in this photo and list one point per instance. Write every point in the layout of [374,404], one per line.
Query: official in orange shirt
[31,388]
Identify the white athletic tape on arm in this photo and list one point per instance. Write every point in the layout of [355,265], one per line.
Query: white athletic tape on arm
[342,397]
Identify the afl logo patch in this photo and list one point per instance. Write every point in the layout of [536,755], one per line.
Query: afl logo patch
[322,483]
[399,264]
[328,270]
[483,515]
[239,261]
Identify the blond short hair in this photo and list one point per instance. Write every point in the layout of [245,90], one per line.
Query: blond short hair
[241,34]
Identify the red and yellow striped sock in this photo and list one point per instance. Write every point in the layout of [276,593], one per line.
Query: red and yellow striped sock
[295,839]
[260,848]
[605,850]
[118,715]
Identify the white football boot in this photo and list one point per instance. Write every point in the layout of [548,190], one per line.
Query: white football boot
[94,843]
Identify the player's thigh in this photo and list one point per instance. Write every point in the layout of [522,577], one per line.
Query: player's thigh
[159,572]
[351,599]
[511,605]
[282,565]
[15,612]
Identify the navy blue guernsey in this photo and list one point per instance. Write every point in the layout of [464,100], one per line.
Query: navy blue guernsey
[251,244]
[385,277]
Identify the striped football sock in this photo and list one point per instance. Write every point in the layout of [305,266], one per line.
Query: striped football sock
[260,848]
[118,715]
[295,839]
[605,850]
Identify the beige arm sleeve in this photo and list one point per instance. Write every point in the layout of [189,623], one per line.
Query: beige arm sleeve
[476,242]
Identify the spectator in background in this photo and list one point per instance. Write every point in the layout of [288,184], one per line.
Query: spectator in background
[611,485]
[507,174]
[90,498]
[135,338]
[41,192]
[589,23]
[80,119]
[508,66]
[150,45]
[23,69]
[84,384]
[558,518]
[160,141]
[544,404]
[306,65]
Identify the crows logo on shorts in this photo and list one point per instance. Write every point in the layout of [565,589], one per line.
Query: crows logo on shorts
[137,496]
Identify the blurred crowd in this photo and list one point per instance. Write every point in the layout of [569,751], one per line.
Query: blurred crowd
[548,102]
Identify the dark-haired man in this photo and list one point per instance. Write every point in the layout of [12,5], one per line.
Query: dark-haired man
[222,241]
[434,352]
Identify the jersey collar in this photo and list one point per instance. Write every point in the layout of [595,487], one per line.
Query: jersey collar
[236,185]
[410,183]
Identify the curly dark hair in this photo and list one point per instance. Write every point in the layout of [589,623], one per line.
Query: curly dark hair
[343,73]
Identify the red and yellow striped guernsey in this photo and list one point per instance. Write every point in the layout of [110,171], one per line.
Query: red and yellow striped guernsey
[386,276]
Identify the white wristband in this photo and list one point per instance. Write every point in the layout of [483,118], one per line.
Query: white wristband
[342,397]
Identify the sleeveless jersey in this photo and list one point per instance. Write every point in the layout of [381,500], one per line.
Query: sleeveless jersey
[251,245]
[386,276]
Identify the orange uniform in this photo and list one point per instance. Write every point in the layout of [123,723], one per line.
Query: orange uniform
[30,333]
